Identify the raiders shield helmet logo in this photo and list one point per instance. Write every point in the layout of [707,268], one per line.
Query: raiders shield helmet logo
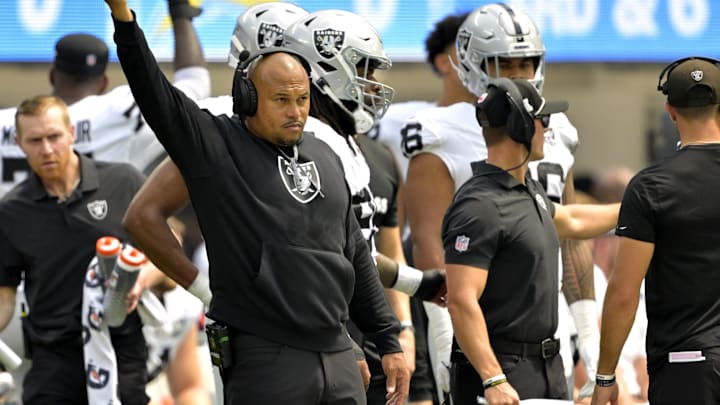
[463,41]
[269,35]
[328,42]
[301,180]
[97,377]
[98,209]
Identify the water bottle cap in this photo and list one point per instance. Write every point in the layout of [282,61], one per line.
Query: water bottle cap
[132,257]
[108,246]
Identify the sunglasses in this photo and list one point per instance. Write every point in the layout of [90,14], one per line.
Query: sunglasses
[544,120]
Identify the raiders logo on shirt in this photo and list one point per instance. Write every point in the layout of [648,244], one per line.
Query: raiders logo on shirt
[98,209]
[301,180]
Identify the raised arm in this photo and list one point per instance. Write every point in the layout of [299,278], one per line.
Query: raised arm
[175,119]
[191,75]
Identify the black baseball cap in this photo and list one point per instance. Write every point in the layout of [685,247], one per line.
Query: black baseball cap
[81,55]
[496,114]
[693,83]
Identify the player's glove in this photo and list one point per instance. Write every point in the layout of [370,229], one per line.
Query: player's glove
[432,287]
[428,285]
[183,9]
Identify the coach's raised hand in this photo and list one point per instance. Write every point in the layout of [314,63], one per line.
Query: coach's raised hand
[120,10]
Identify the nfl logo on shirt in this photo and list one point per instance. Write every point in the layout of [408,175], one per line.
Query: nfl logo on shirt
[461,243]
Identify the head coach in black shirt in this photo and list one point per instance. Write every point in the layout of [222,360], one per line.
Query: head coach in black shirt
[669,237]
[50,223]
[501,248]
[288,263]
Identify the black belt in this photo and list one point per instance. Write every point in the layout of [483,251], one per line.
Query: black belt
[546,349]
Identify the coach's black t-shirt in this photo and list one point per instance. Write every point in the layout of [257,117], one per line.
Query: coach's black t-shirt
[287,258]
[676,206]
[53,242]
[498,224]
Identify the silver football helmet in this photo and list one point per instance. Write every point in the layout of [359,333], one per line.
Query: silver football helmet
[496,31]
[260,30]
[335,44]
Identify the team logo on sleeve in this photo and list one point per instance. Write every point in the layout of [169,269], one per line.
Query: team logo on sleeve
[269,35]
[461,243]
[463,42]
[328,42]
[302,180]
[98,209]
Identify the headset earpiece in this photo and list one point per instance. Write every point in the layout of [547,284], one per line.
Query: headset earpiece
[244,94]
[520,123]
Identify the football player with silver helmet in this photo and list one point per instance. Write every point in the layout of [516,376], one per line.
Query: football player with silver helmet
[261,29]
[495,40]
[499,41]
[343,51]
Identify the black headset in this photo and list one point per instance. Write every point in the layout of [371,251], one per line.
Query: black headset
[519,122]
[665,74]
[244,94]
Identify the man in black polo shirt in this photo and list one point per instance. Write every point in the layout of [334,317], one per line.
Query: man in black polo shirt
[286,251]
[501,248]
[669,236]
[50,223]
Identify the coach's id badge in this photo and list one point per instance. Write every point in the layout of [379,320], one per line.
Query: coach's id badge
[685,357]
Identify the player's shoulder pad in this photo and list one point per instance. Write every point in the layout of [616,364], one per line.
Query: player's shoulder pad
[431,127]
[221,105]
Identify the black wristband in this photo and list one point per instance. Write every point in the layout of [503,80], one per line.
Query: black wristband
[605,380]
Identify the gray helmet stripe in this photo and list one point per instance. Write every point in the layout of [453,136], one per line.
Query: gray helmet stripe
[518,29]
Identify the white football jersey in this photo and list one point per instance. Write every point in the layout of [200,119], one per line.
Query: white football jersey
[357,175]
[107,127]
[561,141]
[453,134]
[388,129]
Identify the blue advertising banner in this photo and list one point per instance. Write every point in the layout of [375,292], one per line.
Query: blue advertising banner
[573,30]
